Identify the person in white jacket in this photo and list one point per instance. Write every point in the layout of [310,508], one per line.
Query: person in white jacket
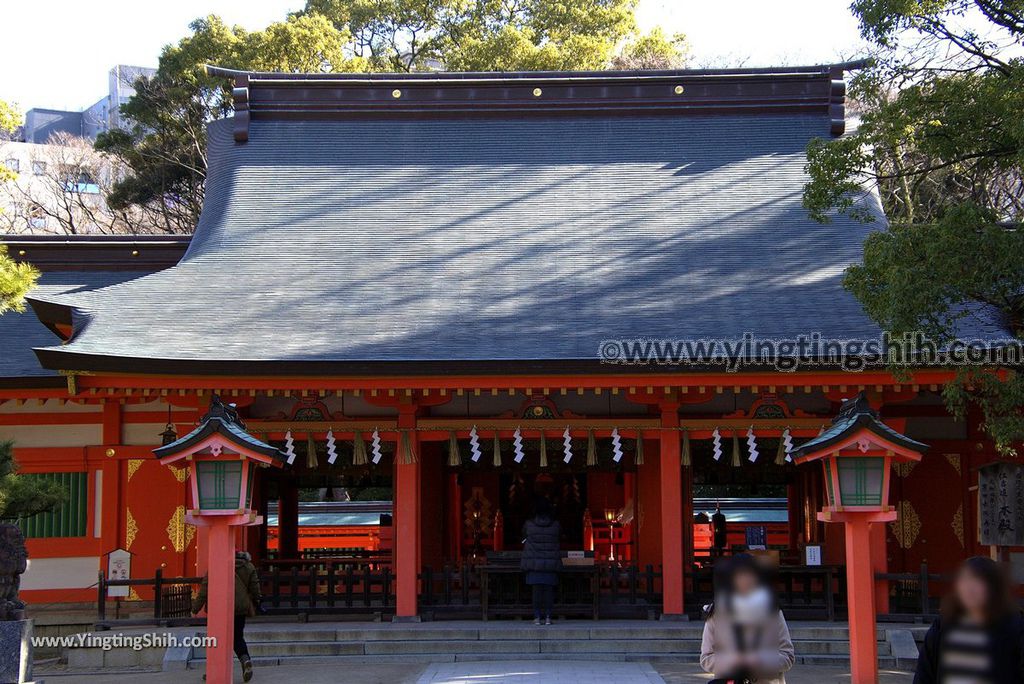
[746,638]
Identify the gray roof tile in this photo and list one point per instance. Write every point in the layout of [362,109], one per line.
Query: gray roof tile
[20,332]
[530,238]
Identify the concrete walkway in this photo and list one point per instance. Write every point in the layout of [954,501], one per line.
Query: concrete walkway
[458,673]
[526,672]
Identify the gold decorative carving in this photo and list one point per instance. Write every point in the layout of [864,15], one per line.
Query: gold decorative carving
[954,460]
[131,530]
[180,474]
[904,469]
[178,531]
[907,526]
[133,465]
[958,524]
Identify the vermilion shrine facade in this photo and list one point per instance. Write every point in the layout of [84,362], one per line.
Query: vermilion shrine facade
[406,283]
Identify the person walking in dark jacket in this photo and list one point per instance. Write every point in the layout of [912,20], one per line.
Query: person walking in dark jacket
[542,559]
[247,603]
[979,636]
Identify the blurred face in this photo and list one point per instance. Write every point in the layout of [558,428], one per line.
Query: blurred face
[971,592]
[745,582]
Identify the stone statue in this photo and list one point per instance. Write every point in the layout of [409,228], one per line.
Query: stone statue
[13,562]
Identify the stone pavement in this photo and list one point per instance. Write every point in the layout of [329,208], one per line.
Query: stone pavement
[564,672]
[526,672]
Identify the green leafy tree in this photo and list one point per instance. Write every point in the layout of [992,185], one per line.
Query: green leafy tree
[165,151]
[21,496]
[940,139]
[16,280]
[10,119]
[487,35]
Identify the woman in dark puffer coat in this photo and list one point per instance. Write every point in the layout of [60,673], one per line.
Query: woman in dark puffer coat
[542,559]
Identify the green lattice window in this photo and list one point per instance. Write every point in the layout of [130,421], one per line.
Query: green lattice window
[860,480]
[220,483]
[67,520]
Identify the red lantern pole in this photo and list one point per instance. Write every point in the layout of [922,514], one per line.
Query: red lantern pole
[860,591]
[220,602]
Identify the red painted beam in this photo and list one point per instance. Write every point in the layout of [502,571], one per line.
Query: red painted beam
[91,418]
[517,382]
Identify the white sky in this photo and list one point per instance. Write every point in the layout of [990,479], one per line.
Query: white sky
[56,53]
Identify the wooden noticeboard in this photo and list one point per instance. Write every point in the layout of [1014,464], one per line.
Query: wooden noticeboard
[119,567]
[1001,504]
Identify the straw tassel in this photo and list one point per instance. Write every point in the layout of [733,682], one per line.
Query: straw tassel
[735,451]
[686,459]
[780,454]
[591,449]
[408,455]
[454,457]
[543,451]
[359,450]
[497,451]
[311,460]
[639,459]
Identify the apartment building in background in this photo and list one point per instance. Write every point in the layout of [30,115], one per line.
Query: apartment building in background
[104,115]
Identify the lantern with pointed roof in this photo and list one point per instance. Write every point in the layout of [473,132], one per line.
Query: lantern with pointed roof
[857,453]
[223,459]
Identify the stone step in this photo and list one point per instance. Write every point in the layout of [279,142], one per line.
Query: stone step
[519,632]
[518,647]
[515,647]
[884,662]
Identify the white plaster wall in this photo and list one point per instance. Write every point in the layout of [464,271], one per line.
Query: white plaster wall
[142,434]
[61,573]
[52,435]
[155,405]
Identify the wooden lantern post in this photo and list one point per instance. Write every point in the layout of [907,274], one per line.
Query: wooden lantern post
[222,459]
[857,453]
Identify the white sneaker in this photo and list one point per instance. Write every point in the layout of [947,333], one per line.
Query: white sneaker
[536,621]
[548,621]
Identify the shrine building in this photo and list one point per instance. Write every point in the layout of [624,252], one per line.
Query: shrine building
[423,289]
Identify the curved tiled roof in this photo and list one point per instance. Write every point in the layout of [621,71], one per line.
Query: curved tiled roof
[355,241]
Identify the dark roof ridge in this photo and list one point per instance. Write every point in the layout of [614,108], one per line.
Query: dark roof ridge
[818,90]
[97,252]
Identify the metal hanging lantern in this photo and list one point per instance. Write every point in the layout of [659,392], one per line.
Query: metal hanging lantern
[857,453]
[223,459]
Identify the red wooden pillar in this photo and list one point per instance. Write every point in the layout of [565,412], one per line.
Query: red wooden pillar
[672,544]
[288,519]
[407,524]
[454,518]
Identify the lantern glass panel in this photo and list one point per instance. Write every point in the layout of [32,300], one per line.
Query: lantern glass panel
[860,480]
[249,485]
[220,484]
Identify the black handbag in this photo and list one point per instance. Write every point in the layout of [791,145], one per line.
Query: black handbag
[740,679]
